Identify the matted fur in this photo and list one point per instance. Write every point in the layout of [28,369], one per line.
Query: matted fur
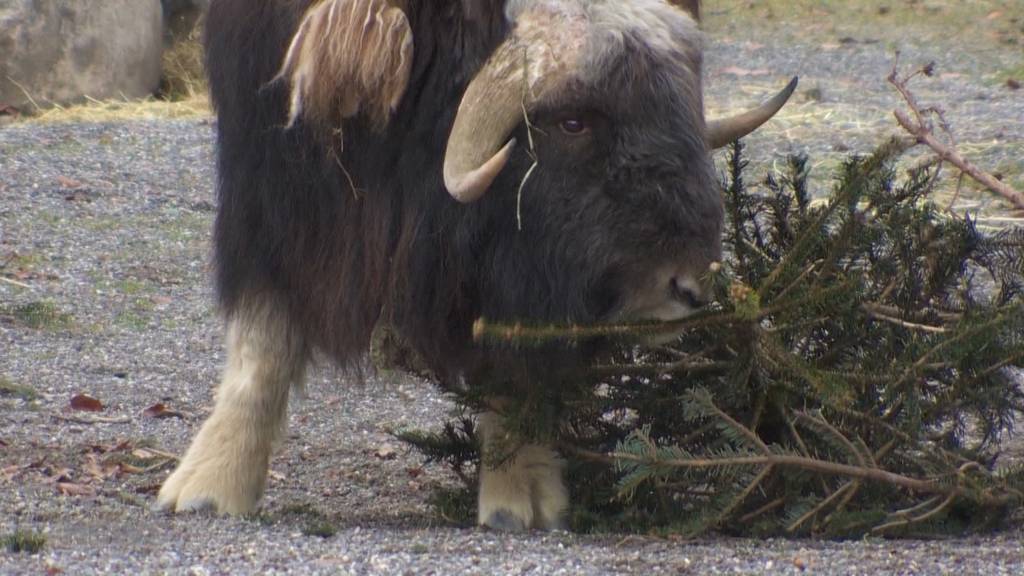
[347,57]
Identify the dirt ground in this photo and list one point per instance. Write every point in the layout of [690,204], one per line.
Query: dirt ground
[104,292]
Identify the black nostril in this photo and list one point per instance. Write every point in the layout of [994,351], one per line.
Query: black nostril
[687,294]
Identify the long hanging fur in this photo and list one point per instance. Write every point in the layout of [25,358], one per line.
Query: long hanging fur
[347,57]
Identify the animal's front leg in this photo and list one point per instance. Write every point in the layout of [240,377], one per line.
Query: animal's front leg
[527,490]
[225,468]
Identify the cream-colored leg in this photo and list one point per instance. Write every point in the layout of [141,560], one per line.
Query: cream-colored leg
[526,491]
[225,468]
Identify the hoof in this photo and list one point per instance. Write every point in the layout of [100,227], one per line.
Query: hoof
[205,487]
[505,521]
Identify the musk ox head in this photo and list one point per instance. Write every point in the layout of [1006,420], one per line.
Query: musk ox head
[590,117]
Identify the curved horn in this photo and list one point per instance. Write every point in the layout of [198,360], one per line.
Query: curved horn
[521,71]
[491,108]
[723,131]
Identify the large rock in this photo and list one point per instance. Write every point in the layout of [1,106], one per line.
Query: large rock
[61,51]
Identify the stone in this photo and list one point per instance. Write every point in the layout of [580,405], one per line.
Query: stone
[55,51]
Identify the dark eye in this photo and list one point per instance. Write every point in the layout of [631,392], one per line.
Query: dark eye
[574,127]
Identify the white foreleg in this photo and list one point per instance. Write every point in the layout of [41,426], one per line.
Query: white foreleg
[526,491]
[226,466]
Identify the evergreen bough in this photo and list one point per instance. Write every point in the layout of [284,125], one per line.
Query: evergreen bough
[855,375]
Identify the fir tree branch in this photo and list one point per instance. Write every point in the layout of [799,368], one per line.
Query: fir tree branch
[903,323]
[518,332]
[948,317]
[747,432]
[843,503]
[821,424]
[840,492]
[743,495]
[791,461]
[681,367]
[903,523]
[799,279]
[772,505]
[912,370]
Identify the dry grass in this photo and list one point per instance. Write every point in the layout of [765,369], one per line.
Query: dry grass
[93,110]
[184,77]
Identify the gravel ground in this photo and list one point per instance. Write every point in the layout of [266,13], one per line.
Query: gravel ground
[108,226]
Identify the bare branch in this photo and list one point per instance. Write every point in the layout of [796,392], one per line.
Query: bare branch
[920,128]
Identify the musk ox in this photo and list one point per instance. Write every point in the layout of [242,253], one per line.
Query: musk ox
[429,162]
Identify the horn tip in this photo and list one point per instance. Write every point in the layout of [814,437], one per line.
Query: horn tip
[468,187]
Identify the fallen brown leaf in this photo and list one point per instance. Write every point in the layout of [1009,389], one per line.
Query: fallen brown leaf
[69,183]
[104,448]
[99,470]
[72,489]
[125,468]
[86,403]
[8,473]
[158,410]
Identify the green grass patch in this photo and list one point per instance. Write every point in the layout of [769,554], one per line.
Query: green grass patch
[21,261]
[10,389]
[187,227]
[319,527]
[1011,73]
[132,320]
[312,521]
[130,286]
[40,315]
[27,541]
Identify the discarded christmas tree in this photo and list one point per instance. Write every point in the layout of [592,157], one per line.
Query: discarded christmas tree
[855,375]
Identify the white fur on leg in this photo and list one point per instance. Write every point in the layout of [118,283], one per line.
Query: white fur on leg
[527,491]
[226,466]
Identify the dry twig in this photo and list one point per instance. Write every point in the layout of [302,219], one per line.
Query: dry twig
[921,129]
[89,419]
